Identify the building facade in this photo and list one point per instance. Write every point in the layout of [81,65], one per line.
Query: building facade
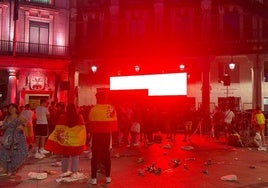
[159,35]
[34,51]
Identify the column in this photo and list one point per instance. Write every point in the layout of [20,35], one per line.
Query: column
[63,87]
[12,89]
[257,77]
[206,95]
[71,78]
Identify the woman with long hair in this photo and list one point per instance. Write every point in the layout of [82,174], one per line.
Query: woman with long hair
[14,147]
[68,140]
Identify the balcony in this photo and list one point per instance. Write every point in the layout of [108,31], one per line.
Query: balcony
[33,49]
[42,3]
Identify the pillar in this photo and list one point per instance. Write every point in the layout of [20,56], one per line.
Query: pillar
[257,77]
[63,87]
[12,89]
[71,78]
[206,94]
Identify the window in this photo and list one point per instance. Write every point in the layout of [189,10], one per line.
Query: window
[40,1]
[231,26]
[38,37]
[181,23]
[259,1]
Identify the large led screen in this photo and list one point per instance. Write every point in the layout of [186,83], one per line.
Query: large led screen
[156,84]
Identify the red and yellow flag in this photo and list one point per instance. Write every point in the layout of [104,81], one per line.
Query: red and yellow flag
[66,140]
[103,119]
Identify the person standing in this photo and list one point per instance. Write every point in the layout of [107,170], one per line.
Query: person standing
[14,148]
[228,118]
[103,122]
[28,129]
[188,123]
[68,140]
[258,120]
[217,122]
[41,129]
[55,110]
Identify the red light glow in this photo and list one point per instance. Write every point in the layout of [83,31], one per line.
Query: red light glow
[156,84]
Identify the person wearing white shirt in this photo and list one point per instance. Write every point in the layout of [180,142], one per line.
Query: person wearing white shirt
[41,129]
[228,118]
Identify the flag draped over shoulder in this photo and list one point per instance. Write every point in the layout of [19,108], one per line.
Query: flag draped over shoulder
[66,140]
[103,119]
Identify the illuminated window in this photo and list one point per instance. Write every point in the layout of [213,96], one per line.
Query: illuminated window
[40,1]
[39,37]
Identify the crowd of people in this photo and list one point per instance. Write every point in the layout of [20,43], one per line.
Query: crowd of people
[61,130]
[248,131]
[67,131]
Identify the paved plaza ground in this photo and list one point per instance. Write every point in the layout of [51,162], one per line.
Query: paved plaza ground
[199,164]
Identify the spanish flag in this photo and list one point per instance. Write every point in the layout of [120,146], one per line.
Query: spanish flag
[103,119]
[69,141]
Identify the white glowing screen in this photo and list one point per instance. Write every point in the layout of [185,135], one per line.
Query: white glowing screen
[156,84]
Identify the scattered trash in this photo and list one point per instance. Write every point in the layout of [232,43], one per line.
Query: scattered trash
[230,177]
[252,167]
[153,169]
[205,172]
[140,160]
[185,167]
[187,148]
[170,170]
[56,164]
[174,163]
[261,148]
[141,172]
[71,178]
[167,146]
[37,175]
[50,172]
[190,159]
[117,155]
[208,163]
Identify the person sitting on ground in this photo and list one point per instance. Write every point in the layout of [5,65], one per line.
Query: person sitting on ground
[255,139]
[234,139]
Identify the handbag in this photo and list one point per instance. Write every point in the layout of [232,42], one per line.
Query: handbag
[8,141]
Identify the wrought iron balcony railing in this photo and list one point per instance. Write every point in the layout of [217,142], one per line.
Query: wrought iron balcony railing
[43,3]
[33,49]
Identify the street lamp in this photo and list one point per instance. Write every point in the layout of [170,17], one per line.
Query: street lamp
[232,64]
[182,67]
[94,68]
[137,68]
